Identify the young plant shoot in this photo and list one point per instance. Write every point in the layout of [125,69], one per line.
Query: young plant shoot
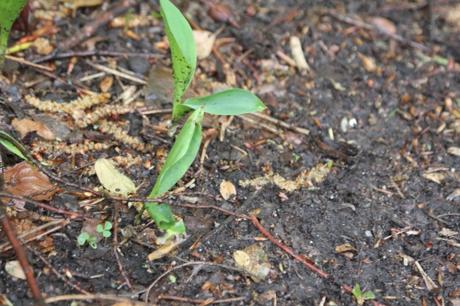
[9,11]
[188,140]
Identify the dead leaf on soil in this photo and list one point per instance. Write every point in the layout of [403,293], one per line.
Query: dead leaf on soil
[254,261]
[112,179]
[297,53]
[43,46]
[455,194]
[227,189]
[454,151]
[204,41]
[25,180]
[106,83]
[436,177]
[14,269]
[305,179]
[447,232]
[26,126]
[368,63]
[169,246]
[383,25]
[84,3]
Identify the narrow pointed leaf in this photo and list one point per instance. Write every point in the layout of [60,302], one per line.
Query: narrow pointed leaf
[9,143]
[181,156]
[229,102]
[183,51]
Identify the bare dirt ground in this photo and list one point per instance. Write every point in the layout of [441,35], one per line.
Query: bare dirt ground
[378,110]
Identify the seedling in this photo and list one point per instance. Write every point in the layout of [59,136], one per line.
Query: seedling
[185,149]
[360,296]
[85,237]
[104,229]
[9,11]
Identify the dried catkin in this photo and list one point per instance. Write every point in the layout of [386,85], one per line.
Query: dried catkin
[78,104]
[121,135]
[83,119]
[74,148]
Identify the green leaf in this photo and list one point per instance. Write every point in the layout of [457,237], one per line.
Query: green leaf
[178,228]
[183,51]
[8,142]
[161,214]
[357,291]
[112,179]
[106,234]
[108,225]
[229,102]
[9,11]
[92,242]
[368,295]
[82,238]
[181,156]
[99,228]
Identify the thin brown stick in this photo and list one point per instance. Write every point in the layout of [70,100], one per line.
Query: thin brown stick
[28,63]
[64,55]
[89,29]
[200,302]
[71,214]
[56,272]
[281,123]
[93,297]
[25,239]
[21,256]
[116,244]
[287,249]
[118,73]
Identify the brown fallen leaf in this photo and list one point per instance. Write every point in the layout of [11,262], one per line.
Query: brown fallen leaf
[24,180]
[454,151]
[26,126]
[227,189]
[43,46]
[106,83]
[436,177]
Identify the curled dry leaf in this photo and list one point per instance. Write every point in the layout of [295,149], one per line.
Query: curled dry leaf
[14,268]
[24,180]
[204,41]
[384,25]
[26,126]
[227,189]
[454,151]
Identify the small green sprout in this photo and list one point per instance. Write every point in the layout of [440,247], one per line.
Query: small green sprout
[104,229]
[360,296]
[84,238]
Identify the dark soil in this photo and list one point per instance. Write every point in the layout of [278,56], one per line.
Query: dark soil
[392,127]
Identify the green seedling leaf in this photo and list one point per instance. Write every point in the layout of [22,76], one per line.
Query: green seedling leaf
[360,296]
[82,238]
[9,11]
[229,102]
[106,234]
[181,156]
[8,142]
[178,228]
[108,225]
[99,228]
[92,242]
[368,295]
[161,214]
[112,179]
[183,52]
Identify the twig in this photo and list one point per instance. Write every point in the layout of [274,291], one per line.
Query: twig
[56,272]
[118,73]
[93,297]
[71,214]
[28,63]
[57,225]
[200,302]
[281,123]
[287,249]
[367,26]
[191,263]
[116,245]
[88,30]
[64,55]
[262,125]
